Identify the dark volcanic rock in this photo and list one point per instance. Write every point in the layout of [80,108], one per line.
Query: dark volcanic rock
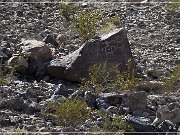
[112,49]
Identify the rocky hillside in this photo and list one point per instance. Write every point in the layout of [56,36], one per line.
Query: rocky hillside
[43,60]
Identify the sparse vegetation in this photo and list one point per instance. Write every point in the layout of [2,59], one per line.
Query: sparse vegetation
[71,112]
[110,124]
[102,78]
[2,80]
[174,4]
[169,84]
[86,23]
[68,9]
[19,131]
[6,78]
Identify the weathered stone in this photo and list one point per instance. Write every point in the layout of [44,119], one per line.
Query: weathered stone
[90,99]
[111,98]
[166,126]
[62,39]
[163,113]
[151,87]
[3,56]
[112,49]
[176,118]
[30,107]
[36,50]
[140,124]
[135,101]
[63,90]
[50,39]
[13,103]
[112,110]
[20,62]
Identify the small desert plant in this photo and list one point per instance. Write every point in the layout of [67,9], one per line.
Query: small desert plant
[174,4]
[170,83]
[71,112]
[6,78]
[2,80]
[103,78]
[109,24]
[116,124]
[68,9]
[19,131]
[86,23]
[119,124]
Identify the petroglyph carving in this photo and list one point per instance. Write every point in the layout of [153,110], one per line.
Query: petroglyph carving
[108,50]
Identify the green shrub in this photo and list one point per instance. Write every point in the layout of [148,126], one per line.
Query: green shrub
[71,112]
[174,80]
[86,23]
[173,5]
[103,78]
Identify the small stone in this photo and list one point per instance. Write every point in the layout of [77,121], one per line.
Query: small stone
[50,39]
[62,38]
[13,103]
[140,124]
[30,107]
[90,99]
[112,110]
[135,101]
[111,98]
[153,74]
[166,126]
[63,90]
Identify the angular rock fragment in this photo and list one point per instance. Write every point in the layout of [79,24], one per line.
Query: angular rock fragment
[112,49]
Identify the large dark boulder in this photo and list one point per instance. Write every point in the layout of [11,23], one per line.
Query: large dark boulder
[112,49]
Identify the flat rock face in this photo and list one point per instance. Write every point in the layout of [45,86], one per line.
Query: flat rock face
[112,49]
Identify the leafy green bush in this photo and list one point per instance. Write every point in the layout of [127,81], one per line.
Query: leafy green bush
[174,4]
[103,78]
[71,112]
[174,80]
